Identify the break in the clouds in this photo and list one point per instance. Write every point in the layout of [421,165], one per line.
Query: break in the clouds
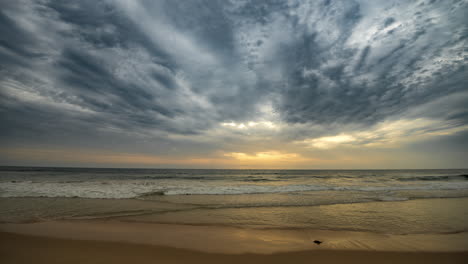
[300,84]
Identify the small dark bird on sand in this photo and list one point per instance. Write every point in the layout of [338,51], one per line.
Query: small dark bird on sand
[318,242]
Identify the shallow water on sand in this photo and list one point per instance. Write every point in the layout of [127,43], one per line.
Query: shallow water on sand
[389,201]
[421,216]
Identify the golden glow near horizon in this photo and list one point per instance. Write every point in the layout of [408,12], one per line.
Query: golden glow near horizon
[100,157]
[265,156]
[270,159]
[267,159]
[331,151]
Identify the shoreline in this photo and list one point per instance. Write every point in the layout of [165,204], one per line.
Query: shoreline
[236,240]
[224,212]
[227,235]
[54,250]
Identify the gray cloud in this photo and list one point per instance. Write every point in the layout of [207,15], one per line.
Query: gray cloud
[372,79]
[159,68]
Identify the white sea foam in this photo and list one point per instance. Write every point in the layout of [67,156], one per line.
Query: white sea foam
[116,190]
[134,189]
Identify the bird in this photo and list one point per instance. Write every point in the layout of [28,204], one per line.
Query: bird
[318,242]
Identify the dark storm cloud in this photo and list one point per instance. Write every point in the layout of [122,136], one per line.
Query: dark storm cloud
[92,64]
[183,67]
[383,76]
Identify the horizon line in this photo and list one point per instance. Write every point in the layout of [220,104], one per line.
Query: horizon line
[169,168]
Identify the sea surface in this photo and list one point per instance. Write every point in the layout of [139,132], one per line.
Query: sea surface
[386,201]
[138,183]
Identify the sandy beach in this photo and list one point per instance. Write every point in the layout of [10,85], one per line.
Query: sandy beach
[238,240]
[52,250]
[130,242]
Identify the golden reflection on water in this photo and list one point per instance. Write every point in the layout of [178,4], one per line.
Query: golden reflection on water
[415,216]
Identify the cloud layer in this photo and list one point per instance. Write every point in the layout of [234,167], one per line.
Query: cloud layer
[213,78]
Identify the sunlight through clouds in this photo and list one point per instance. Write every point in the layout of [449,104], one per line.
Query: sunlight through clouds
[264,156]
[250,125]
[388,134]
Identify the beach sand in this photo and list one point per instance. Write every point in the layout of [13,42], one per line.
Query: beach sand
[34,249]
[110,241]
[415,231]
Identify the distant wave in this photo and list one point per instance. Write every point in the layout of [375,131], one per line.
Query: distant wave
[435,178]
[134,189]
[258,179]
[173,177]
[256,189]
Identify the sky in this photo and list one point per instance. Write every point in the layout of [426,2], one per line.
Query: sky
[295,84]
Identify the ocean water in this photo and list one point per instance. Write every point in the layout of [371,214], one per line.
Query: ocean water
[387,201]
[140,183]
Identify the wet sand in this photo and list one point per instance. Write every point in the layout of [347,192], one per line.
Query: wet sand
[19,249]
[235,240]
[140,239]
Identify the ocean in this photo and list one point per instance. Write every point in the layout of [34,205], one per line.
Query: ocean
[385,201]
